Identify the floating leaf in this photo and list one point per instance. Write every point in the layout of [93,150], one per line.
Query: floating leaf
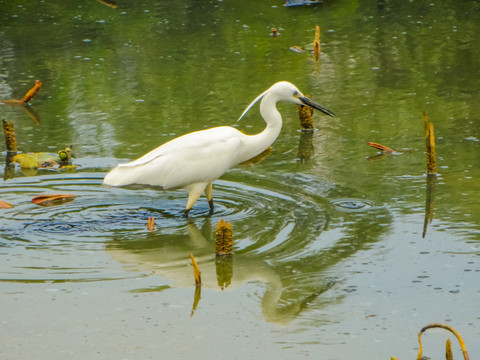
[5,205]
[36,160]
[26,161]
[43,157]
[48,164]
[52,199]
[68,167]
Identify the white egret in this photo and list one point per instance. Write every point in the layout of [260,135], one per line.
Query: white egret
[193,161]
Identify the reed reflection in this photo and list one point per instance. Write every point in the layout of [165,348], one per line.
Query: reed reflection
[429,201]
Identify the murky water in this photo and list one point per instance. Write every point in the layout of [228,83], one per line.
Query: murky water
[339,252]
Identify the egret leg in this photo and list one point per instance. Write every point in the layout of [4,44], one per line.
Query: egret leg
[192,199]
[209,194]
[193,194]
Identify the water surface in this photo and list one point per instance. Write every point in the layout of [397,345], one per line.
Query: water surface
[333,255]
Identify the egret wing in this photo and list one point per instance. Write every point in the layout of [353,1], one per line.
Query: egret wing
[201,156]
[188,142]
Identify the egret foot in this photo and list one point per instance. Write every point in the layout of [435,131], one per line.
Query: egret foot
[212,206]
[185,213]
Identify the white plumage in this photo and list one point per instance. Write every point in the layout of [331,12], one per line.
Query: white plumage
[193,161]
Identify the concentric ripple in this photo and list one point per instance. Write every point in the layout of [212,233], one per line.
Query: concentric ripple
[100,212]
[264,219]
[279,219]
[352,205]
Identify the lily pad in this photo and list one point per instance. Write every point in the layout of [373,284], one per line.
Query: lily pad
[36,160]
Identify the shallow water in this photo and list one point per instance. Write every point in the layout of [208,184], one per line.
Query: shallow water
[335,255]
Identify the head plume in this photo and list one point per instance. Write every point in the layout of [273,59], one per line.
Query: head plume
[252,103]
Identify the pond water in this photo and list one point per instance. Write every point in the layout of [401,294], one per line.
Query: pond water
[339,252]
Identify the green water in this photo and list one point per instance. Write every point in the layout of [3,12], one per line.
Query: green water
[333,256]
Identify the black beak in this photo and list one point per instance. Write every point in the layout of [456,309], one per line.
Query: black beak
[310,103]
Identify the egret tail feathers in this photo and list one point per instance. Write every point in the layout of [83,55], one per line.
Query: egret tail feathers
[119,176]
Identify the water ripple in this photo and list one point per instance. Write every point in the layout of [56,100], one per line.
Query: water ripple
[278,222]
[99,212]
[352,205]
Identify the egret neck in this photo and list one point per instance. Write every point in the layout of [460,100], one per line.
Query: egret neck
[256,144]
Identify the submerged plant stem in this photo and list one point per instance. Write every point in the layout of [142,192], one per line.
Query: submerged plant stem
[430,142]
[316,43]
[10,138]
[305,114]
[446,327]
[224,238]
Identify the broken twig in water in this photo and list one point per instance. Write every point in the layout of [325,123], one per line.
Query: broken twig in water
[32,92]
[28,96]
[111,3]
[380,147]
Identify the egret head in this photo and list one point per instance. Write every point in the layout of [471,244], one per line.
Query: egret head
[286,91]
[289,92]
